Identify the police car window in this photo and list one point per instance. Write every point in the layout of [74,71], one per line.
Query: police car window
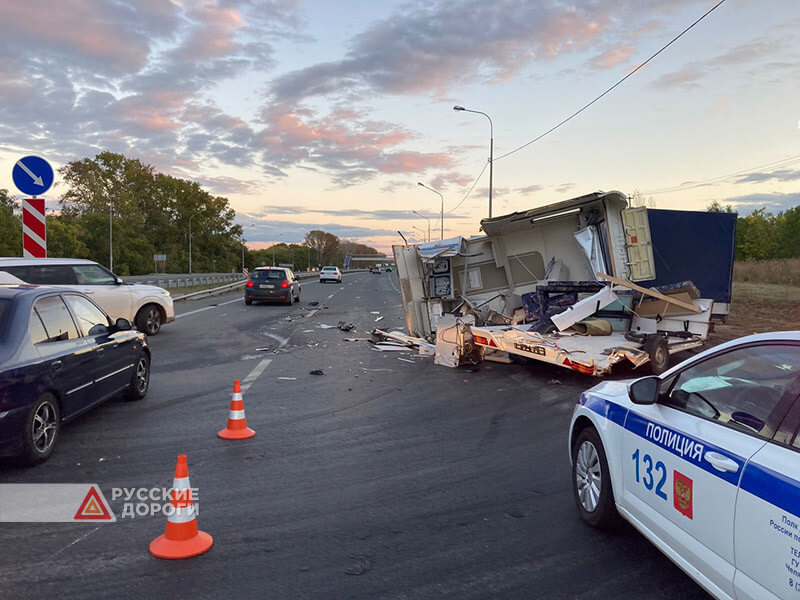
[93,275]
[56,318]
[91,319]
[739,388]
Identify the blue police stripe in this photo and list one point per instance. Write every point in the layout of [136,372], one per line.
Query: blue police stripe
[772,487]
[764,483]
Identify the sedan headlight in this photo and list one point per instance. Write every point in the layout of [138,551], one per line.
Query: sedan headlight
[166,293]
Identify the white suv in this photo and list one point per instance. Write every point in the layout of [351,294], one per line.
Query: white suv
[330,274]
[146,306]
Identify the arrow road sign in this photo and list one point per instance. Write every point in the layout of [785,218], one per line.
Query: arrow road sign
[33,175]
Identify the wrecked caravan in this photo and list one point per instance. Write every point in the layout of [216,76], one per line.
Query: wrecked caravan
[539,281]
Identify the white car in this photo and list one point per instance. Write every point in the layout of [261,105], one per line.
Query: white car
[146,306]
[704,460]
[330,274]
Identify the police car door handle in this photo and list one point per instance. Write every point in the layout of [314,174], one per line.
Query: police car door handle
[721,462]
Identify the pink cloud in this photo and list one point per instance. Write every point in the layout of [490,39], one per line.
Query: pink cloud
[530,189]
[214,34]
[444,180]
[82,27]
[618,54]
[565,187]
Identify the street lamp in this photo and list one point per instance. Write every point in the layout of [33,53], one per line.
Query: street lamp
[273,250]
[190,239]
[421,231]
[491,147]
[243,230]
[440,196]
[428,220]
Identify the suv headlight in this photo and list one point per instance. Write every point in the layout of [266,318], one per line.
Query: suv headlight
[166,293]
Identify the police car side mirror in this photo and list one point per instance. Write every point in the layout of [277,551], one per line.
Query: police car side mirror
[644,390]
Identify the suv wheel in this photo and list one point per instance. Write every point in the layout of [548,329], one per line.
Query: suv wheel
[148,319]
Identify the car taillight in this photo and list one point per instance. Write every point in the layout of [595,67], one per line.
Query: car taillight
[284,284]
[249,283]
[579,367]
[484,341]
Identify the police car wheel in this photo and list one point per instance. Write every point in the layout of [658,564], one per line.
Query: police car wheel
[591,481]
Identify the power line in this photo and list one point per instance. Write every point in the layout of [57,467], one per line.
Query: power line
[577,112]
[692,184]
[472,187]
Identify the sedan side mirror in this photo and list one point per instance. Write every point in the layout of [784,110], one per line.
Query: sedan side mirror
[123,325]
[118,280]
[644,390]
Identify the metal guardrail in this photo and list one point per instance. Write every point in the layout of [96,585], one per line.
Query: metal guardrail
[231,286]
[173,281]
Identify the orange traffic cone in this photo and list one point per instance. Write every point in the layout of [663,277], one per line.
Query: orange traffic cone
[181,539]
[237,428]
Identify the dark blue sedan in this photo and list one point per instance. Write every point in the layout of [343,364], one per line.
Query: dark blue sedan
[60,354]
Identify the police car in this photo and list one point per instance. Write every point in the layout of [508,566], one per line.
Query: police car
[704,460]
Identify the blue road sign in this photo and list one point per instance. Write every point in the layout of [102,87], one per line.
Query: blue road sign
[33,175]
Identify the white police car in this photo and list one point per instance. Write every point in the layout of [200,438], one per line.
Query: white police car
[704,460]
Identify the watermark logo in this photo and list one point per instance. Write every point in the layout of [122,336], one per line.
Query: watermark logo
[93,508]
[53,503]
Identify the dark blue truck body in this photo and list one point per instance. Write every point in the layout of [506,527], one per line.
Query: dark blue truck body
[694,246]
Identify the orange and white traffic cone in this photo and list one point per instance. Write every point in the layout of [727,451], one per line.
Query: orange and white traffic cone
[237,428]
[181,539]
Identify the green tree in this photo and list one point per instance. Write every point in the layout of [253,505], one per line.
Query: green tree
[65,238]
[10,225]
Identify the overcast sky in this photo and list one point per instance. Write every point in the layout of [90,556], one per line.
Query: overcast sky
[320,114]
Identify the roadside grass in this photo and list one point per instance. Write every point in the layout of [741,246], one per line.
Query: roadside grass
[784,271]
[758,308]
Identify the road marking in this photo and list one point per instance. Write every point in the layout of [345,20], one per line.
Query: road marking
[331,296]
[75,541]
[282,340]
[191,312]
[248,381]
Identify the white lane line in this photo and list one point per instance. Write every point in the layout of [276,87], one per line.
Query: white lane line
[282,340]
[248,381]
[191,312]
[331,296]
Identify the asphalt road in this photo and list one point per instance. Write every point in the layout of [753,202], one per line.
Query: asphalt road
[379,479]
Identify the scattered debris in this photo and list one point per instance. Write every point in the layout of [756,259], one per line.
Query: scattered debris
[287,378]
[389,347]
[405,359]
[308,331]
[324,326]
[316,372]
[356,339]
[375,312]
[264,349]
[313,303]
[346,326]
[554,382]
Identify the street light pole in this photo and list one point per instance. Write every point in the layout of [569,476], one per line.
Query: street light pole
[243,230]
[190,239]
[273,250]
[110,235]
[442,213]
[491,148]
[421,231]
[429,223]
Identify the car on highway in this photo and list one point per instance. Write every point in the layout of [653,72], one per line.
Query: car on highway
[704,460]
[60,355]
[146,306]
[330,274]
[272,284]
[375,270]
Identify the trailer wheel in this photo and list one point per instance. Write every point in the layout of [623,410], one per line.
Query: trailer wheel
[658,350]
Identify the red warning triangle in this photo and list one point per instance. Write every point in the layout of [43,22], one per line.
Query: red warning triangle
[93,508]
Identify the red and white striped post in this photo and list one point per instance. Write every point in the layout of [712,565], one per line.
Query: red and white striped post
[34,228]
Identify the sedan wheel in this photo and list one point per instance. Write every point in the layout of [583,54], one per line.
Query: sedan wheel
[591,481]
[41,430]
[140,380]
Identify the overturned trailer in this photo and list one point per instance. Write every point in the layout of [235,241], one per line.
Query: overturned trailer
[538,281]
